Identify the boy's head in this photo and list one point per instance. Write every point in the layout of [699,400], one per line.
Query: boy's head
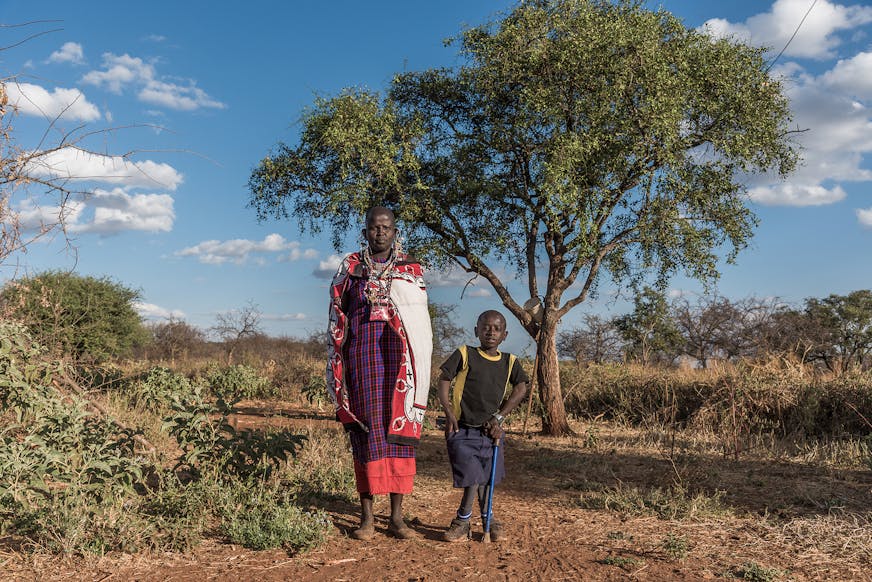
[490,329]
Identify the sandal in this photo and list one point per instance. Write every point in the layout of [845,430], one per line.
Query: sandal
[363,532]
[402,532]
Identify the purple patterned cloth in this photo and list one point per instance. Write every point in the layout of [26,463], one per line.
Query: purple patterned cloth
[372,354]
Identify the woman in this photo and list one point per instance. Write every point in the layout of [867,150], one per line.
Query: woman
[378,371]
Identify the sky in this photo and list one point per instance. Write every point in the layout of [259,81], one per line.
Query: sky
[195,94]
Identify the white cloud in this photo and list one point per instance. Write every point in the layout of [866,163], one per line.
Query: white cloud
[118,211]
[60,103]
[865,216]
[284,316]
[33,216]
[152,311]
[852,76]
[70,52]
[326,269]
[837,134]
[480,292]
[103,212]
[180,97]
[155,38]
[790,194]
[122,71]
[815,39]
[296,254]
[215,252]
[78,165]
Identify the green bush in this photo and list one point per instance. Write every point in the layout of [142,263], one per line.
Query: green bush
[84,317]
[158,387]
[238,382]
[262,518]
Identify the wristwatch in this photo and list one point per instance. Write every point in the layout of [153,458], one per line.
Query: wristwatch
[499,417]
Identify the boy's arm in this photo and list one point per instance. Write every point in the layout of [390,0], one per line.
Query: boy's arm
[493,425]
[450,421]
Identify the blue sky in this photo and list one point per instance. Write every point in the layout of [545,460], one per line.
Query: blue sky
[200,93]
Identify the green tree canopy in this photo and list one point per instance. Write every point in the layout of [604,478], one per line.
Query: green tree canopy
[75,315]
[577,139]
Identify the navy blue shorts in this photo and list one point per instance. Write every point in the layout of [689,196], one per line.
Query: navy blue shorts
[470,451]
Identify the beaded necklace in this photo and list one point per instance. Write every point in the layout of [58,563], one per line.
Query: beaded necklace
[379,278]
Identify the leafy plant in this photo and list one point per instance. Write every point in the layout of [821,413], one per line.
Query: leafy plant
[157,387]
[261,518]
[237,382]
[675,546]
[315,390]
[213,444]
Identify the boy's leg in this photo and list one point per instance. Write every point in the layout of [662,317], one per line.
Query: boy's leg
[460,528]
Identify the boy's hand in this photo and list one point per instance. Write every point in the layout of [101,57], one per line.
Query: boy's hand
[493,429]
[451,425]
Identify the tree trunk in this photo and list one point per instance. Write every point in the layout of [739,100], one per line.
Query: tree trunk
[554,421]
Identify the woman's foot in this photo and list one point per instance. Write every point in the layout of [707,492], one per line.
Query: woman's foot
[364,532]
[401,531]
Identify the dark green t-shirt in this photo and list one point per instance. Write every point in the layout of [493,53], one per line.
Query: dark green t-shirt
[485,385]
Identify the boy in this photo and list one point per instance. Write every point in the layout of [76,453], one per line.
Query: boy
[474,415]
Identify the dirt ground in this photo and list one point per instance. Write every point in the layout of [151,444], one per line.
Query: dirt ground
[792,521]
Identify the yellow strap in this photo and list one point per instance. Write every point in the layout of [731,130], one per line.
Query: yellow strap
[512,358]
[460,381]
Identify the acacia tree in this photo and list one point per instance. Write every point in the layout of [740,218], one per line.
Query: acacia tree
[649,331]
[577,139]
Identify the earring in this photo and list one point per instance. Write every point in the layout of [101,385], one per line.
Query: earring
[398,245]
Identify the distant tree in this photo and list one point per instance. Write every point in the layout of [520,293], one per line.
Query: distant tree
[446,334]
[597,340]
[174,337]
[575,138]
[838,330]
[233,327]
[649,332]
[84,317]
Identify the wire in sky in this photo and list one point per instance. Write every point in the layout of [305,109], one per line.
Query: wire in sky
[790,40]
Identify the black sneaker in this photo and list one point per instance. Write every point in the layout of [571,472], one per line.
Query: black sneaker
[496,531]
[458,531]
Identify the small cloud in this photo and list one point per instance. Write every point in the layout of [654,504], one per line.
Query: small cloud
[296,254]
[70,52]
[60,103]
[326,269]
[284,316]
[238,251]
[796,195]
[122,71]
[118,211]
[155,38]
[865,217]
[480,292]
[152,311]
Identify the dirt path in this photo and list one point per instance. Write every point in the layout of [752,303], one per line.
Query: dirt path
[550,535]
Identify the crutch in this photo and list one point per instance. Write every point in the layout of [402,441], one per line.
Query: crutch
[490,493]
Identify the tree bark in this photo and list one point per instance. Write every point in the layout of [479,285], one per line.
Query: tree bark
[554,421]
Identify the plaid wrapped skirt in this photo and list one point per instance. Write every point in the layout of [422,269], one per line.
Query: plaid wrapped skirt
[372,354]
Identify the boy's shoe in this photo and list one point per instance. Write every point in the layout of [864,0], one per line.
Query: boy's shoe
[497,533]
[458,531]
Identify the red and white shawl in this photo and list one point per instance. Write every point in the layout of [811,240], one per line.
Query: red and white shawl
[409,318]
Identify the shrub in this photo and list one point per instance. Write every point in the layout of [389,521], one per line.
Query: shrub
[75,315]
[261,518]
[156,388]
[238,382]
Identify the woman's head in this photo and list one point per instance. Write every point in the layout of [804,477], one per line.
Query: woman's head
[380,231]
